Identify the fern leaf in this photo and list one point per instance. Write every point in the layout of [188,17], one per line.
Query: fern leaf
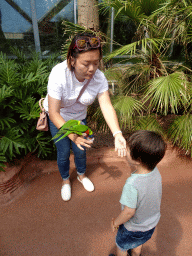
[5,122]
[2,161]
[5,92]
[28,109]
[11,143]
[43,145]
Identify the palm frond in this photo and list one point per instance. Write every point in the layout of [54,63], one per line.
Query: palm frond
[130,9]
[180,132]
[99,120]
[150,123]
[135,10]
[132,48]
[131,76]
[126,108]
[168,92]
[150,6]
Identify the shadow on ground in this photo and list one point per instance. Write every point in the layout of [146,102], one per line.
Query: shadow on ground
[38,222]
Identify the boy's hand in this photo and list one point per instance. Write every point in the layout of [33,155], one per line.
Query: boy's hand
[114,228]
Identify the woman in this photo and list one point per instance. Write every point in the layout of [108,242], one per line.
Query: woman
[63,103]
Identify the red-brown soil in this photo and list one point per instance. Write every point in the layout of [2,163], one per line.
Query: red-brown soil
[35,221]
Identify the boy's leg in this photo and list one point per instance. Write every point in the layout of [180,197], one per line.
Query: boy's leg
[121,253]
[136,251]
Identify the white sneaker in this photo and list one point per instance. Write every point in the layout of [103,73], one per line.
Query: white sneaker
[87,184]
[66,192]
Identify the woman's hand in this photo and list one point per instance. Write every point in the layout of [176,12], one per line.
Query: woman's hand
[80,141]
[114,228]
[120,145]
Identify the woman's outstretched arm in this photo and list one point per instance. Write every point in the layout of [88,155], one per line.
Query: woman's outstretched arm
[112,121]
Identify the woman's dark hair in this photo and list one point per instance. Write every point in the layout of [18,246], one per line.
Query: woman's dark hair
[146,147]
[73,52]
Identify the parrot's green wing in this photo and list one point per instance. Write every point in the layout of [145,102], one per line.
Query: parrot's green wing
[66,127]
[80,128]
[72,126]
[66,134]
[69,124]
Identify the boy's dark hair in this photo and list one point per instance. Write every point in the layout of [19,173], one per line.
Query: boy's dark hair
[74,52]
[146,147]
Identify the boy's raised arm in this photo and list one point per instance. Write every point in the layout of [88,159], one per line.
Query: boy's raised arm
[123,217]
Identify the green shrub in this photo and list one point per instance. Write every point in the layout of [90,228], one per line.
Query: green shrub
[23,82]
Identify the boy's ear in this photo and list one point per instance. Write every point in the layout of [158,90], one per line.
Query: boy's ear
[72,61]
[133,163]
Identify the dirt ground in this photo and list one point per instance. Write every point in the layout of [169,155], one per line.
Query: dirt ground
[35,221]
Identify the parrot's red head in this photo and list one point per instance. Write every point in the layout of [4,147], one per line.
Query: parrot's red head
[87,132]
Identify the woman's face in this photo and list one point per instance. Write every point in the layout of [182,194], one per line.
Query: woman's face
[86,64]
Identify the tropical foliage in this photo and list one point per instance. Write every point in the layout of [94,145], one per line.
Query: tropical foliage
[23,82]
[153,88]
[152,84]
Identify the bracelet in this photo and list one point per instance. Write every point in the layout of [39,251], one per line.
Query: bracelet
[116,133]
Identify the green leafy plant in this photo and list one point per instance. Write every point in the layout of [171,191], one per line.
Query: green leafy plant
[148,74]
[180,132]
[23,82]
[149,84]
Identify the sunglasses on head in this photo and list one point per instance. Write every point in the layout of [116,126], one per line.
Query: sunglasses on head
[82,43]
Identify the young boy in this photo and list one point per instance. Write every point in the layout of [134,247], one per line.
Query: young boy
[141,195]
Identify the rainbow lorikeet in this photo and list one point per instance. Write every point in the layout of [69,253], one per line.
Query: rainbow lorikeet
[72,126]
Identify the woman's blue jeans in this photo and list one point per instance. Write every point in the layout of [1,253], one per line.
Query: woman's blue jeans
[63,153]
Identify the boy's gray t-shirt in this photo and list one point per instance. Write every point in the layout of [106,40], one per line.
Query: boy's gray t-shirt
[143,192]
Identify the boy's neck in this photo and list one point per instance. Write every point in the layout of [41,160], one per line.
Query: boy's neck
[141,170]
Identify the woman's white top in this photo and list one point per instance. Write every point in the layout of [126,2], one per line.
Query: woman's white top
[63,85]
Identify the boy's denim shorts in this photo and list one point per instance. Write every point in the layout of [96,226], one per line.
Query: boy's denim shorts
[126,240]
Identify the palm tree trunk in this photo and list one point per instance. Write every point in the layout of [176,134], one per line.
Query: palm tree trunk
[88,14]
